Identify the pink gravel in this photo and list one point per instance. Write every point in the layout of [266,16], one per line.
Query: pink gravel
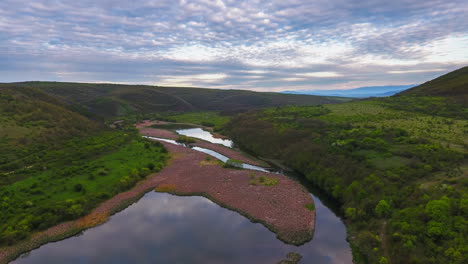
[155,132]
[228,152]
[281,208]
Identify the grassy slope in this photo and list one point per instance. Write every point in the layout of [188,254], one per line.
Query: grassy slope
[452,84]
[397,167]
[111,100]
[56,164]
[32,122]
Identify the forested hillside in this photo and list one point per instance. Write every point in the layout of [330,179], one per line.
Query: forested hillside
[57,165]
[112,100]
[398,168]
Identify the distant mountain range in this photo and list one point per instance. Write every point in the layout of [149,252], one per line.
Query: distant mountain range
[362,92]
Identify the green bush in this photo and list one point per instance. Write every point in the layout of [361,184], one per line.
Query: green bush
[185,140]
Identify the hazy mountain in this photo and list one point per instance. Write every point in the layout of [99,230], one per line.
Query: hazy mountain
[362,92]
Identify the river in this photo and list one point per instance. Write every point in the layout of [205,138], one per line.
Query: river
[164,228]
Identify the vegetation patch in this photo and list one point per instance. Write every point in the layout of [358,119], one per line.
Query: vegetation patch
[262,180]
[71,181]
[389,162]
[291,258]
[310,206]
[173,126]
[233,164]
[168,188]
[209,161]
[205,118]
[185,140]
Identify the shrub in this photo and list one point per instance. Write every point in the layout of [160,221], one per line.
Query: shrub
[310,206]
[166,188]
[185,140]
[78,187]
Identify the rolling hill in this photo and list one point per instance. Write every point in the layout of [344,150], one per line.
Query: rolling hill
[397,166]
[112,100]
[453,85]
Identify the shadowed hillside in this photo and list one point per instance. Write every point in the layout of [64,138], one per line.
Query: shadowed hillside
[110,100]
[453,85]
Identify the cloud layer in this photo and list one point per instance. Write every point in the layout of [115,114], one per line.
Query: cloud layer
[261,45]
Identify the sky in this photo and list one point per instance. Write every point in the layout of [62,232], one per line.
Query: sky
[272,45]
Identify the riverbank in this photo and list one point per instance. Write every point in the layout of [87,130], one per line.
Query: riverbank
[281,208]
[231,153]
[98,216]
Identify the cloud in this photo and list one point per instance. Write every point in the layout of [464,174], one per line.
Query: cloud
[258,44]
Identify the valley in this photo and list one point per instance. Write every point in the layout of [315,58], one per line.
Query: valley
[392,169]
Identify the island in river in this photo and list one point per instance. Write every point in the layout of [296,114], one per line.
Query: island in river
[279,203]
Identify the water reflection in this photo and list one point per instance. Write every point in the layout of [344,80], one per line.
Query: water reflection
[205,135]
[163,228]
[213,153]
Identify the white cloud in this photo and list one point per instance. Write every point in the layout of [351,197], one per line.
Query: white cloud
[321,74]
[191,80]
[246,44]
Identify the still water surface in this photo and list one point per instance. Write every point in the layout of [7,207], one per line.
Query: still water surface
[163,228]
[205,135]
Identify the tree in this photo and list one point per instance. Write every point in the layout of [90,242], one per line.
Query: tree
[382,209]
[438,210]
[351,213]
[78,187]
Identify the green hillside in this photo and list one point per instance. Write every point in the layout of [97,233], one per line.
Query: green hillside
[112,100]
[57,165]
[452,85]
[32,121]
[397,166]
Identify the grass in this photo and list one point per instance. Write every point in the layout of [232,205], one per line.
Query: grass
[262,180]
[65,191]
[185,139]
[205,118]
[173,126]
[210,161]
[233,164]
[310,206]
[168,188]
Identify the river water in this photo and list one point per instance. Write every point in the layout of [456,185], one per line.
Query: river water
[164,228]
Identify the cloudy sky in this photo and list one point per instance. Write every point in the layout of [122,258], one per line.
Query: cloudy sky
[270,45]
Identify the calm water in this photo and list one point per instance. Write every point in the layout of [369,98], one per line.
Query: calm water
[205,135]
[213,153]
[163,228]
